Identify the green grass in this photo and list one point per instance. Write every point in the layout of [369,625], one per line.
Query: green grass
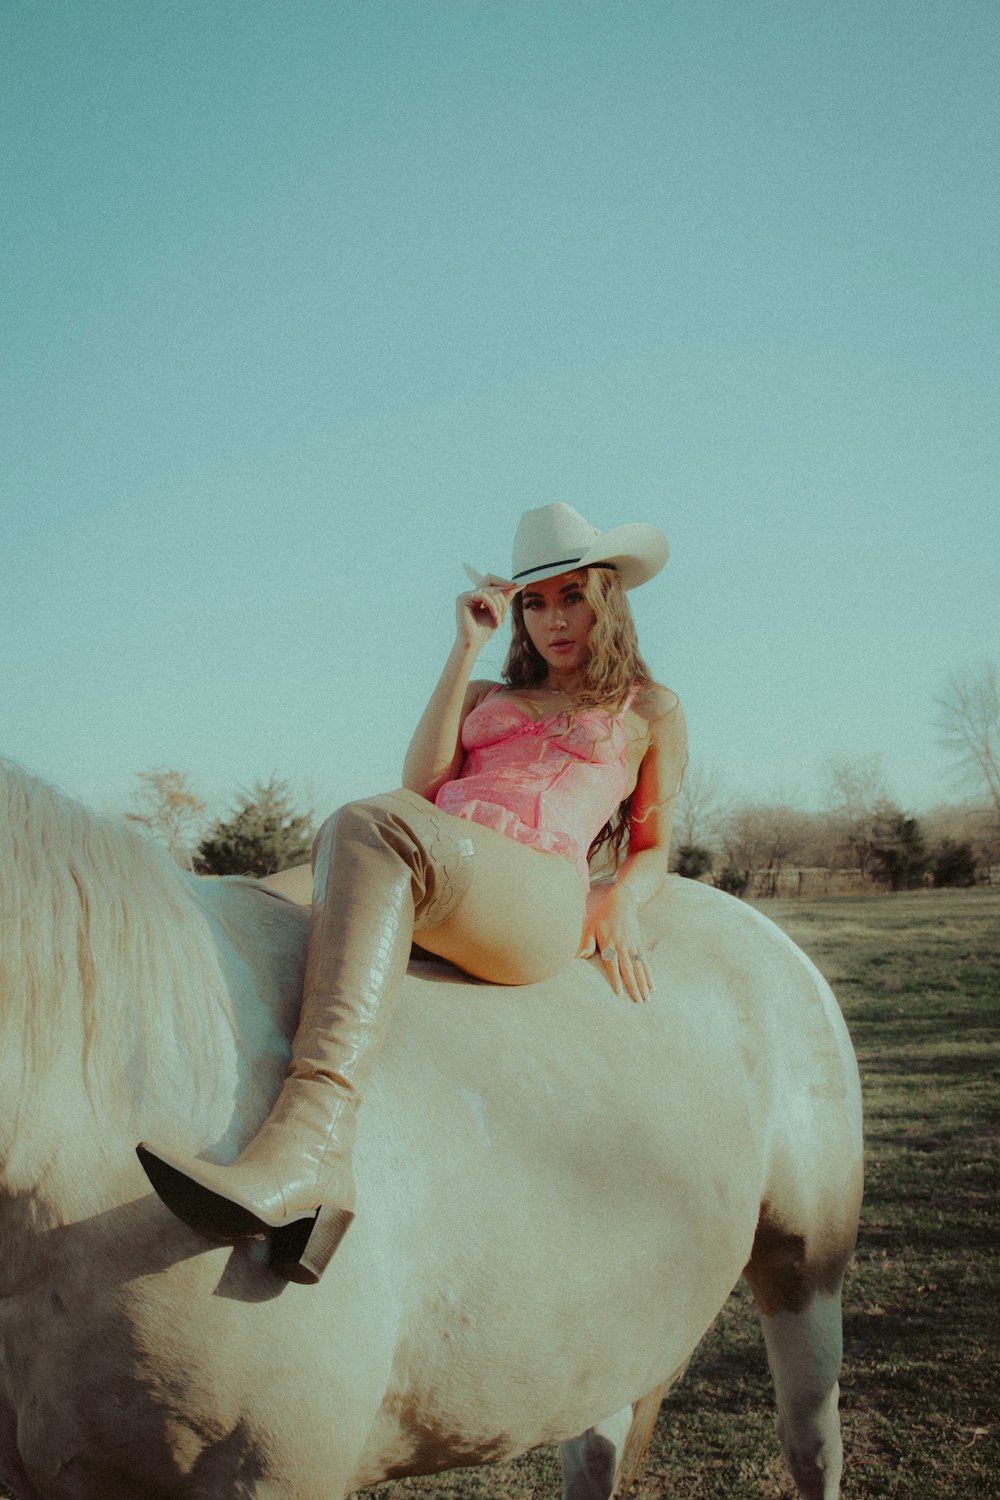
[918,977]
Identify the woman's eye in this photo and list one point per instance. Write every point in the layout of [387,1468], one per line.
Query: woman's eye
[572,598]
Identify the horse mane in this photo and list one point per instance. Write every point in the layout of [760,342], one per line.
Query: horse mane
[98,923]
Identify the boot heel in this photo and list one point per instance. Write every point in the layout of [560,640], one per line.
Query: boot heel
[301,1251]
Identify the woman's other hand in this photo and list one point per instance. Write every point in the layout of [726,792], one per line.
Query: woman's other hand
[482,611]
[612,931]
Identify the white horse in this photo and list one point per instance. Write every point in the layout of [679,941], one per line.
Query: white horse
[557,1191]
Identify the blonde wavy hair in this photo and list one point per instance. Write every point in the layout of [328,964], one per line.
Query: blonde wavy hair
[614,666]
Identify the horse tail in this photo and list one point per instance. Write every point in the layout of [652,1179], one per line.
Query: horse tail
[644,1414]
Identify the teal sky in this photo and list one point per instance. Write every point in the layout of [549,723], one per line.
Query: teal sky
[304,301]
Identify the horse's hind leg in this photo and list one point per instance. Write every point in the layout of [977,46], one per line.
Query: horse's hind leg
[797,1290]
[804,1351]
[590,1462]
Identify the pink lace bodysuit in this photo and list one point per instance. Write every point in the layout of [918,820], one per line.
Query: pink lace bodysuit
[551,783]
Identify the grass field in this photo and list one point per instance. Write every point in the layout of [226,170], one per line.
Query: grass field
[918,977]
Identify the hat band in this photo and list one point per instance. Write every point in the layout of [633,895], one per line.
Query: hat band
[560,562]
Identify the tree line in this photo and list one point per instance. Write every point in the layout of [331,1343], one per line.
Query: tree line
[747,848]
[860,830]
[743,847]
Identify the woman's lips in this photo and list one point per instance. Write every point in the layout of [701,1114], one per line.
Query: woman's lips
[561,646]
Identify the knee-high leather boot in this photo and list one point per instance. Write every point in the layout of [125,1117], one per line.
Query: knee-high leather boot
[383,869]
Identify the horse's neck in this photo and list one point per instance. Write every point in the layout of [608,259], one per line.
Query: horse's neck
[194,1065]
[260,944]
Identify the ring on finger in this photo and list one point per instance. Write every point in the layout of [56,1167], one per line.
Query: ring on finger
[607,954]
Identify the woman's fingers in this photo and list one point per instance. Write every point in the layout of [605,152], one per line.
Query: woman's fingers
[612,967]
[612,928]
[628,972]
[635,977]
[485,608]
[489,580]
[481,606]
[644,983]
[493,601]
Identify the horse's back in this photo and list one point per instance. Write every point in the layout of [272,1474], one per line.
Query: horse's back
[739,1067]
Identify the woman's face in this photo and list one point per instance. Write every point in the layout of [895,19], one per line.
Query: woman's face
[558,619]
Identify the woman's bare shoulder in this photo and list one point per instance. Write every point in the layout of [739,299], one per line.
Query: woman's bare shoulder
[477,690]
[654,701]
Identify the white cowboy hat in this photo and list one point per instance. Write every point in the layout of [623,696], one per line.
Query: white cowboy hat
[556,539]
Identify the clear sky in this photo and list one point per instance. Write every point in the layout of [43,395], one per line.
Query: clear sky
[304,301]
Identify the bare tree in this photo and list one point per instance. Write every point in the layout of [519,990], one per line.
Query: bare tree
[760,839]
[856,786]
[857,801]
[166,805]
[702,808]
[969,725]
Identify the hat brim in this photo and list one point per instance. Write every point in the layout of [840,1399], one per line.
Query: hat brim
[636,551]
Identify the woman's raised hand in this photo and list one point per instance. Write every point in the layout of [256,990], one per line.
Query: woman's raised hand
[482,611]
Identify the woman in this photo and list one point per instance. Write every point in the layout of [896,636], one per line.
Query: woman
[483,853]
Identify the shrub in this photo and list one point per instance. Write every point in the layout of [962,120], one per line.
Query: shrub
[264,834]
[898,858]
[954,864]
[693,861]
[733,882]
